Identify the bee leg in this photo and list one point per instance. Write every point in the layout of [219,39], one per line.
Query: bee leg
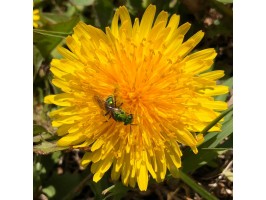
[115,101]
[107,119]
[107,113]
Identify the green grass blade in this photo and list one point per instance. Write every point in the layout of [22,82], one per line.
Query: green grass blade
[46,40]
[211,140]
[205,130]
[209,149]
[196,187]
[117,191]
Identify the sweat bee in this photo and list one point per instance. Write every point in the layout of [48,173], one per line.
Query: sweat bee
[118,114]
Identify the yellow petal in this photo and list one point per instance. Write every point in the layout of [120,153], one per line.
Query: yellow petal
[216,90]
[213,75]
[143,177]
[70,140]
[147,21]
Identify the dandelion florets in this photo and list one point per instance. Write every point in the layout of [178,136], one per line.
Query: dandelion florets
[36,18]
[150,72]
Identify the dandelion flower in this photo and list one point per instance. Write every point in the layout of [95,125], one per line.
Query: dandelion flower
[36,18]
[150,71]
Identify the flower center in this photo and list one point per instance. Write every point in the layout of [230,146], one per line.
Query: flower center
[134,97]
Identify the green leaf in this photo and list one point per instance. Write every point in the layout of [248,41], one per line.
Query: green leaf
[134,6]
[83,2]
[223,9]
[56,156]
[228,143]
[47,147]
[145,3]
[47,38]
[194,161]
[54,18]
[117,191]
[207,150]
[98,188]
[41,134]
[49,191]
[103,12]
[196,187]
[36,1]
[38,129]
[37,60]
[225,1]
[63,184]
[72,10]
[42,137]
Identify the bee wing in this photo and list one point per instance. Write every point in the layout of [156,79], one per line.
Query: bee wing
[100,102]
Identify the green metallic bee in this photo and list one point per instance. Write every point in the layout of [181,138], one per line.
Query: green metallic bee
[109,105]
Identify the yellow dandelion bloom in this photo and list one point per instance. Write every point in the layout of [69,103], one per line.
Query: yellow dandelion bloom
[147,72]
[36,18]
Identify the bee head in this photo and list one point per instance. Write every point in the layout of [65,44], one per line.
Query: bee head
[110,101]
